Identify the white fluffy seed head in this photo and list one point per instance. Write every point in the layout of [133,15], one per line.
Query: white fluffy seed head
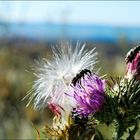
[54,76]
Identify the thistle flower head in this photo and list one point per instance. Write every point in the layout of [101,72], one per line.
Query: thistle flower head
[133,64]
[55,76]
[89,94]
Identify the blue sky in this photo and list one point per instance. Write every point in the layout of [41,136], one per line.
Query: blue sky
[121,13]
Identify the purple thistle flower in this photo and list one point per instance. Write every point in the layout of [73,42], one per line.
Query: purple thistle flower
[89,94]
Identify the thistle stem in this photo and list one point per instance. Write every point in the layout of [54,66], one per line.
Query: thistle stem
[119,130]
[133,132]
[117,135]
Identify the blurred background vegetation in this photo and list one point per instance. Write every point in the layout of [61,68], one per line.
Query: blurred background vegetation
[22,43]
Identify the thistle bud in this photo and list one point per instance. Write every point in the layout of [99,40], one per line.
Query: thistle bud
[133,64]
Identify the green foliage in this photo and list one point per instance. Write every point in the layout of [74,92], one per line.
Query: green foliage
[122,106]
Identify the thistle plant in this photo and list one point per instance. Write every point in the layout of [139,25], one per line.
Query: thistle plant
[81,99]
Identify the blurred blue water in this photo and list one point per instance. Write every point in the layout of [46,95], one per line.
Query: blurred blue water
[48,31]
